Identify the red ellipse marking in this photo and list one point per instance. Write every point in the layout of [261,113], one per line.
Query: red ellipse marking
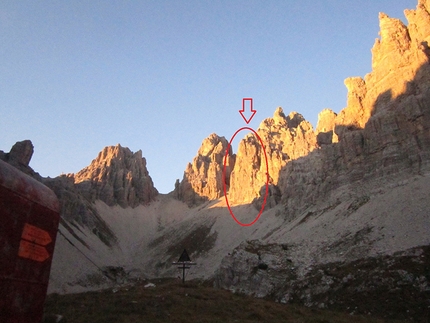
[225,184]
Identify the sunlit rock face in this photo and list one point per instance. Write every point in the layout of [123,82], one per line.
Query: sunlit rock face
[280,138]
[117,176]
[325,127]
[284,138]
[203,178]
[399,68]
[384,129]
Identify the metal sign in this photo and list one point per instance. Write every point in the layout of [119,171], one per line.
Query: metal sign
[183,263]
[184,256]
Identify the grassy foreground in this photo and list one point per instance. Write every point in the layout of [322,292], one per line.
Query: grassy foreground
[172,301]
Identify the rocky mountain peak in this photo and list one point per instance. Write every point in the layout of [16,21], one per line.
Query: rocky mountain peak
[284,138]
[294,119]
[117,176]
[211,145]
[384,128]
[399,78]
[203,177]
[111,153]
[279,117]
[22,152]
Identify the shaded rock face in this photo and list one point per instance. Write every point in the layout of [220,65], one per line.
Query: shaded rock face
[78,210]
[256,269]
[203,178]
[20,156]
[395,286]
[21,152]
[117,176]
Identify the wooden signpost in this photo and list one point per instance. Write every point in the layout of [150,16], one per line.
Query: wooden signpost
[183,263]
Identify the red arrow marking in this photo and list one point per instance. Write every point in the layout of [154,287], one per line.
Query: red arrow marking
[32,251]
[36,235]
[243,110]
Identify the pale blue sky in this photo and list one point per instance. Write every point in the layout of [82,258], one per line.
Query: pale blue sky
[76,76]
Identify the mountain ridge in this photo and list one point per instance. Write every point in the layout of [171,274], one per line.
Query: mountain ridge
[353,190]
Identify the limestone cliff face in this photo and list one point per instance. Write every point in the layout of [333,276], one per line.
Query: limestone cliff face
[385,128]
[399,60]
[203,179]
[285,138]
[117,176]
[377,144]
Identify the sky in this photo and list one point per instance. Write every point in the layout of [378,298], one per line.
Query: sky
[160,76]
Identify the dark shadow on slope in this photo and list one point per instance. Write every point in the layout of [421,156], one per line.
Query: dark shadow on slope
[77,211]
[196,238]
[185,192]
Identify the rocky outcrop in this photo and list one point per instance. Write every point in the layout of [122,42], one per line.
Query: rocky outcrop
[203,178]
[285,138]
[256,269]
[21,153]
[374,285]
[398,59]
[20,156]
[75,209]
[325,127]
[117,176]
